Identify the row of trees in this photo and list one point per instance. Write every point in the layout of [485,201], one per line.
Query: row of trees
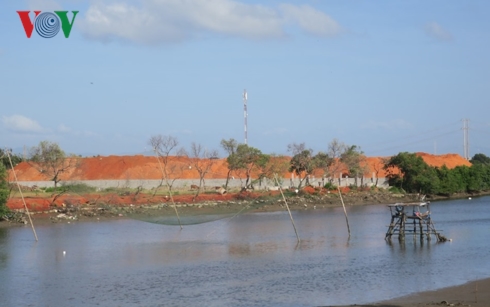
[241,158]
[333,161]
[405,170]
[410,173]
[244,160]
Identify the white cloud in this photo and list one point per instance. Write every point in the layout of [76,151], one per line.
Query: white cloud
[162,21]
[311,20]
[436,31]
[394,124]
[64,129]
[19,123]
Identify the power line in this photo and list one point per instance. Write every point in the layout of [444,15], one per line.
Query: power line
[417,134]
[414,142]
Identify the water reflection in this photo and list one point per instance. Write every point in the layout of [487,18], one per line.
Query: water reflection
[3,247]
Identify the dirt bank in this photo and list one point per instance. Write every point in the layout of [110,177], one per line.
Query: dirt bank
[113,205]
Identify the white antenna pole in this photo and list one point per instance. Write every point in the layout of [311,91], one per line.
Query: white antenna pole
[245,114]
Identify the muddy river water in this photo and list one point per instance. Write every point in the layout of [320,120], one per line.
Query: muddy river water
[251,260]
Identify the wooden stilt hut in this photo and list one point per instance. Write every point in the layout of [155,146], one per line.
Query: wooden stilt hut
[412,218]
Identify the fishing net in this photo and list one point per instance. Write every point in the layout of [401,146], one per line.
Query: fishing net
[192,215]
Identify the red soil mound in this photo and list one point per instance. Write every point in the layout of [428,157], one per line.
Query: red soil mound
[450,160]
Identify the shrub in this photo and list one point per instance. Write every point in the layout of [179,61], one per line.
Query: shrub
[396,190]
[353,187]
[330,186]
[4,192]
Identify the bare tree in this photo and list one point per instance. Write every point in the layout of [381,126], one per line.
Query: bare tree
[164,145]
[201,160]
[48,158]
[335,151]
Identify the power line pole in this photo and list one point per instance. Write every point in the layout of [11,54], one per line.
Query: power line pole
[245,114]
[466,142]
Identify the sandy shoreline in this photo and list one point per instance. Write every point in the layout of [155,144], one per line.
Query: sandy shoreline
[475,294]
[94,207]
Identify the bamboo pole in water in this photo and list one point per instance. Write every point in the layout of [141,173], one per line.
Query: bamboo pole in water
[345,212]
[290,215]
[21,195]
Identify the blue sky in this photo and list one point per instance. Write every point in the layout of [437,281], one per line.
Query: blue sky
[385,75]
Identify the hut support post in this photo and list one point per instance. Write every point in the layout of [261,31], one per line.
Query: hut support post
[401,235]
[429,230]
[391,228]
[414,228]
[421,228]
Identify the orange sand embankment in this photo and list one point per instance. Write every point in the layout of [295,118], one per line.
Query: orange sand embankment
[147,167]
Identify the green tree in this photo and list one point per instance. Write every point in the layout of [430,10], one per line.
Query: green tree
[449,181]
[276,166]
[353,157]
[302,163]
[480,159]
[48,158]
[479,178]
[415,175]
[4,191]
[249,159]
[230,147]
[16,159]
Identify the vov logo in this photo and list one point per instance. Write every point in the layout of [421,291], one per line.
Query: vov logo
[47,24]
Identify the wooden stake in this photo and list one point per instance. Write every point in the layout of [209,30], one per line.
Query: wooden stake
[476,293]
[21,195]
[290,215]
[345,212]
